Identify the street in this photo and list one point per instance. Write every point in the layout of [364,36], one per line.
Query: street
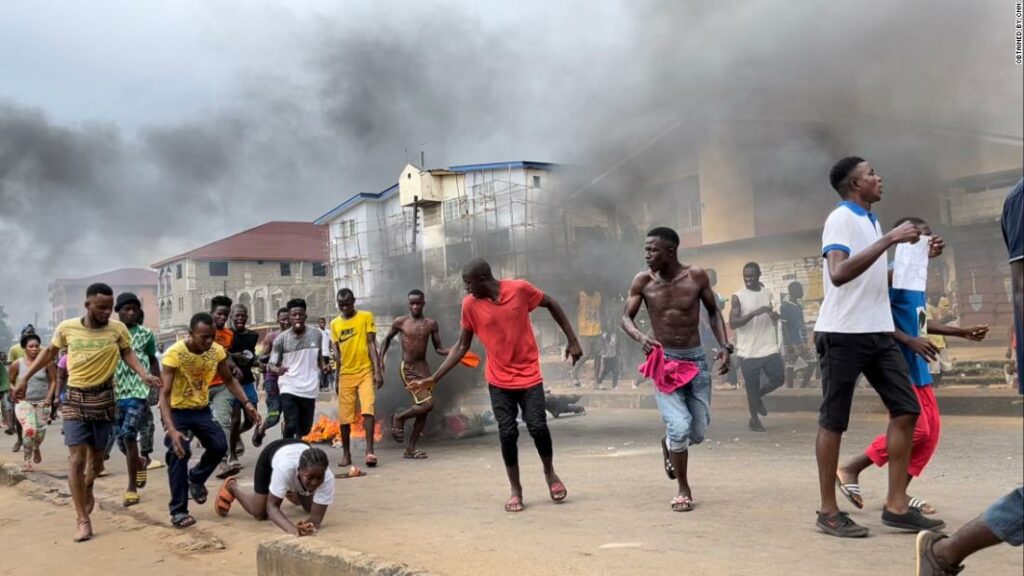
[756,496]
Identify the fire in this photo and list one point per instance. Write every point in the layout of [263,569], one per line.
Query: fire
[359,432]
[328,431]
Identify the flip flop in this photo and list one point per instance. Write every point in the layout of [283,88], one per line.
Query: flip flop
[229,471]
[558,491]
[183,520]
[397,432]
[198,492]
[669,470]
[415,455]
[922,506]
[141,477]
[371,460]
[353,472]
[130,499]
[682,503]
[222,505]
[154,464]
[514,504]
[851,492]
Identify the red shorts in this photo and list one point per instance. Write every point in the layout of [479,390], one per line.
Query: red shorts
[926,435]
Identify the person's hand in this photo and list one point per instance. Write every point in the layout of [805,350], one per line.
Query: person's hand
[975,333]
[382,365]
[649,344]
[178,443]
[279,370]
[923,347]
[906,232]
[378,379]
[773,315]
[305,528]
[153,381]
[936,246]
[723,358]
[253,414]
[574,351]
[417,386]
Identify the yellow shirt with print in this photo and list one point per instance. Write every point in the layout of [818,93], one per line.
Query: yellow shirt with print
[93,353]
[350,335]
[192,374]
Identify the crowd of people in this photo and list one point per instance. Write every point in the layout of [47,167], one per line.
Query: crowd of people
[111,374]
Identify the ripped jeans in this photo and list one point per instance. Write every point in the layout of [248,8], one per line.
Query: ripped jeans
[687,410]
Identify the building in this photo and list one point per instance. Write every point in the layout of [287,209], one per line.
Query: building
[262,267]
[67,295]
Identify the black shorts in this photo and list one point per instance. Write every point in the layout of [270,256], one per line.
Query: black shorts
[264,470]
[844,357]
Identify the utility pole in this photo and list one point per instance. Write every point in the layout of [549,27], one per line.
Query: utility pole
[415,220]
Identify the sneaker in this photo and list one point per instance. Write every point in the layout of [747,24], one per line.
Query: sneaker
[756,426]
[927,563]
[912,520]
[841,525]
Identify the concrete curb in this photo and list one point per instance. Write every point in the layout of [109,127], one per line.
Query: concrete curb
[288,555]
[10,474]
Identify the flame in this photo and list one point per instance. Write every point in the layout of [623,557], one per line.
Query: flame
[328,431]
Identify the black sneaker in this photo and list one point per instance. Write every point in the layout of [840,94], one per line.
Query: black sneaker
[841,525]
[927,563]
[756,426]
[912,521]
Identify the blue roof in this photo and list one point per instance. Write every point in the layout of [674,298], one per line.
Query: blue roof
[503,166]
[361,197]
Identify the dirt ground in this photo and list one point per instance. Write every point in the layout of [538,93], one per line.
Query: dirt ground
[756,497]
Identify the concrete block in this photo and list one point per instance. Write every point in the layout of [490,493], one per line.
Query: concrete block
[288,555]
[10,474]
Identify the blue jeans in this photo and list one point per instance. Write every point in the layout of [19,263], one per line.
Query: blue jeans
[1005,518]
[687,410]
[215,445]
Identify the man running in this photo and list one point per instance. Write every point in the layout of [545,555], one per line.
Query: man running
[499,312]
[673,293]
[797,356]
[220,397]
[359,373]
[270,386]
[297,359]
[853,335]
[243,354]
[416,330]
[95,345]
[133,394]
[188,369]
[754,319]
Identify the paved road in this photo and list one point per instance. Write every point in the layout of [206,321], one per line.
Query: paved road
[756,499]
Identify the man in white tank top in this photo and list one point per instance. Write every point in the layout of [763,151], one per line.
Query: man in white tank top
[755,320]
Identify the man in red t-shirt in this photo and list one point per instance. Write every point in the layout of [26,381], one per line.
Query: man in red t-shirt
[499,313]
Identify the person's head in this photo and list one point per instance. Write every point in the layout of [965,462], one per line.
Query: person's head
[297,314]
[347,302]
[322,322]
[660,248]
[99,303]
[284,320]
[239,317]
[854,179]
[129,309]
[922,226]
[712,276]
[220,309]
[478,280]
[31,343]
[313,466]
[796,291]
[201,332]
[417,301]
[752,276]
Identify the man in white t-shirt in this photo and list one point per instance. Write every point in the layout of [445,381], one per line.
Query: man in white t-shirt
[296,358]
[286,469]
[754,318]
[853,335]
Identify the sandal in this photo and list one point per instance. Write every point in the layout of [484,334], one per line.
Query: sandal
[670,471]
[558,491]
[353,472]
[183,520]
[924,507]
[851,491]
[371,460]
[397,432]
[224,498]
[198,492]
[682,503]
[514,504]
[130,499]
[141,478]
[415,455]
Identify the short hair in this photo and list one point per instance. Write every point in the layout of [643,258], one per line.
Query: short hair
[667,234]
[28,338]
[753,265]
[912,219]
[99,288]
[345,292]
[795,284]
[239,306]
[417,292]
[281,310]
[314,457]
[841,171]
[218,301]
[296,303]
[478,267]
[200,318]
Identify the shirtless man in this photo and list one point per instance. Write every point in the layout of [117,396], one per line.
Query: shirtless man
[673,293]
[416,330]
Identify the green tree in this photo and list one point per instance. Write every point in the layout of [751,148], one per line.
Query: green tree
[6,336]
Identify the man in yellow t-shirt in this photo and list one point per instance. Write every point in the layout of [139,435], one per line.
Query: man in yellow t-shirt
[588,327]
[189,366]
[939,310]
[359,375]
[95,345]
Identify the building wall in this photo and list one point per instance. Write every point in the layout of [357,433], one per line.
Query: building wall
[68,301]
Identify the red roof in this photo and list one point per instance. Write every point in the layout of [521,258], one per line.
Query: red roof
[122,277]
[276,241]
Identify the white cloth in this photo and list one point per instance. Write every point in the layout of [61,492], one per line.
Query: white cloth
[301,355]
[284,476]
[910,265]
[758,338]
[861,306]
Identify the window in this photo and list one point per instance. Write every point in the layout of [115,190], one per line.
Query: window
[181,304]
[352,269]
[286,268]
[536,181]
[177,272]
[453,209]
[218,268]
[347,228]
[319,269]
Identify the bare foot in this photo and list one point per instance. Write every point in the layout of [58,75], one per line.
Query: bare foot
[84,531]
[346,460]
[514,503]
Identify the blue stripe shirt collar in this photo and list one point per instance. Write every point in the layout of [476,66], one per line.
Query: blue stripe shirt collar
[859,210]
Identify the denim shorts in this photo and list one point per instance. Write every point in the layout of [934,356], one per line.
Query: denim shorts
[1005,518]
[93,433]
[686,410]
[250,393]
[130,412]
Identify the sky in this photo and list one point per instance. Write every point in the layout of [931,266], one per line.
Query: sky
[130,131]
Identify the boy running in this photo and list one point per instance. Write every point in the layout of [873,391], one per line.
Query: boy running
[297,359]
[359,373]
